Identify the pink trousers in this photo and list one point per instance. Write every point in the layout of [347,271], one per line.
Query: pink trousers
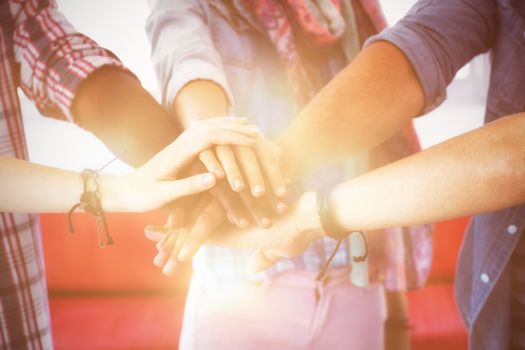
[290,312]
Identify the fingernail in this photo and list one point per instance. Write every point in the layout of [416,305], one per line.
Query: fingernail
[159,259]
[152,229]
[281,207]
[257,191]
[230,218]
[169,268]
[266,222]
[288,180]
[238,185]
[184,254]
[244,223]
[208,180]
[160,244]
[281,191]
[218,173]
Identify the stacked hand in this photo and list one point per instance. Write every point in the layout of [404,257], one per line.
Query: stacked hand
[192,221]
[161,179]
[290,235]
[259,167]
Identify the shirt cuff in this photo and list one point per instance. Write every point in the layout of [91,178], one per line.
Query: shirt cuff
[63,91]
[190,70]
[422,59]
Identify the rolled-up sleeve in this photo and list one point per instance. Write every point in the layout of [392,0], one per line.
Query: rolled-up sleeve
[182,46]
[54,58]
[438,37]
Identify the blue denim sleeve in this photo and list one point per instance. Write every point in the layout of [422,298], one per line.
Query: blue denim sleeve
[440,36]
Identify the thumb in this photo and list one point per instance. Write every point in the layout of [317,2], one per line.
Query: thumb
[263,259]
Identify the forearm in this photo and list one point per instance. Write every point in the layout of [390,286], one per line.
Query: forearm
[116,108]
[199,99]
[30,187]
[364,105]
[477,172]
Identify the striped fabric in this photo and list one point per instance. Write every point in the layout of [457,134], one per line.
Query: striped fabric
[44,55]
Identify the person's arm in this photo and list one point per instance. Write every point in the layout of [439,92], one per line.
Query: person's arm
[364,105]
[68,76]
[402,73]
[189,70]
[114,106]
[477,172]
[202,99]
[480,171]
[195,87]
[29,187]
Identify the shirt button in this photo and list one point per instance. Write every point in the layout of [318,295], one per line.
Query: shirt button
[512,229]
[485,278]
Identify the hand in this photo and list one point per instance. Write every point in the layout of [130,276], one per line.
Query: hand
[255,164]
[183,234]
[157,182]
[176,242]
[251,170]
[166,236]
[289,236]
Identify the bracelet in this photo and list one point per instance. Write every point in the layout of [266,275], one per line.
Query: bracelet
[327,222]
[334,232]
[90,203]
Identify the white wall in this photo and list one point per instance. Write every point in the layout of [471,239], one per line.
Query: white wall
[119,25]
[464,108]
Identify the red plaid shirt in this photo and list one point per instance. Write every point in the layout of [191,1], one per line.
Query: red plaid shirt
[44,55]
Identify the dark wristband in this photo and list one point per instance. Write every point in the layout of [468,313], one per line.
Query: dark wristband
[326,218]
[333,231]
[90,203]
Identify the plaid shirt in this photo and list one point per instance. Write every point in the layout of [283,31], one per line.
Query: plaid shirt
[43,54]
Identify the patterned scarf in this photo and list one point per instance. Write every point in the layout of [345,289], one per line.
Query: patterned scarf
[297,29]
[306,33]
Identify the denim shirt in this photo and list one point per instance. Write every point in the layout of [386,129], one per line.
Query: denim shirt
[439,37]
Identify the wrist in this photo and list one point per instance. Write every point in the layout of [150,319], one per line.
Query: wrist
[112,193]
[309,220]
[327,213]
[188,105]
[91,202]
[289,164]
